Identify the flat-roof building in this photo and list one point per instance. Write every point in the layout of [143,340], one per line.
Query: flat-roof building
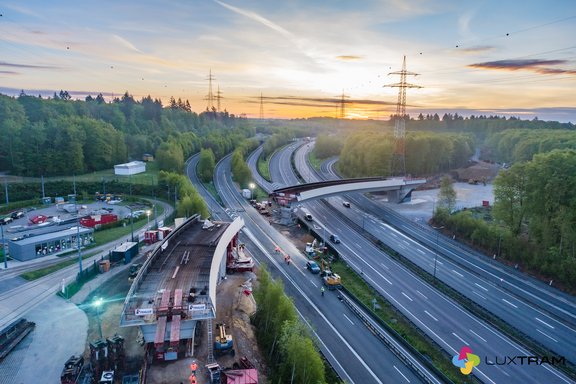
[29,247]
[131,168]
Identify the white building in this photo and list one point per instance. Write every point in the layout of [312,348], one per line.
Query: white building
[130,168]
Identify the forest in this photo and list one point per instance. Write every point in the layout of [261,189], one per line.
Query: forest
[60,136]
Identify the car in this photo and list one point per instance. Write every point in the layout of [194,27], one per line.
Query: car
[335,239]
[17,215]
[346,204]
[313,267]
[5,220]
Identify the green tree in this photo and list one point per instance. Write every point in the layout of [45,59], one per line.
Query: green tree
[206,165]
[446,195]
[170,157]
[510,195]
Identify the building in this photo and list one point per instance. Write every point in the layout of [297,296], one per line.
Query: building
[30,247]
[147,157]
[131,168]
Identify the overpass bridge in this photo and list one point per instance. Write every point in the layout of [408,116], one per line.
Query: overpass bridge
[176,286]
[398,189]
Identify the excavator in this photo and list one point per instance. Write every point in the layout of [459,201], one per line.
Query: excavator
[330,279]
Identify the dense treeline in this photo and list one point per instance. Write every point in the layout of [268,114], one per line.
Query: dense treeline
[189,201]
[517,145]
[369,153]
[328,146]
[292,356]
[60,136]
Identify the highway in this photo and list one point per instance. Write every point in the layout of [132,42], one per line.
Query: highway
[348,345]
[439,317]
[511,296]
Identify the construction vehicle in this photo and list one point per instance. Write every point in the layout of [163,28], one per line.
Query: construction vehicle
[223,342]
[72,369]
[330,279]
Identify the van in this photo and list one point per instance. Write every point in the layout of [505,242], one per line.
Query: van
[17,215]
[5,220]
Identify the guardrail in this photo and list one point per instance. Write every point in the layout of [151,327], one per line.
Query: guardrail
[400,347]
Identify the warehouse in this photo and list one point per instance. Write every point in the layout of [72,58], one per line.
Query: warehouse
[131,168]
[34,246]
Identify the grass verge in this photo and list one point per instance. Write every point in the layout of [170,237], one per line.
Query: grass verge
[264,168]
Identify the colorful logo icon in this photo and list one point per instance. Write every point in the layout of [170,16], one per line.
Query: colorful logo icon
[466,360]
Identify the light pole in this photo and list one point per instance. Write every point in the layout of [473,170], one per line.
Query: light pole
[436,255]
[131,223]
[97,303]
[252,186]
[4,247]
[148,216]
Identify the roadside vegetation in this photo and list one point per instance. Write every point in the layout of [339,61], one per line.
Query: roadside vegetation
[284,339]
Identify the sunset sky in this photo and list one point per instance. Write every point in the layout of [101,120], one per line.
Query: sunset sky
[502,57]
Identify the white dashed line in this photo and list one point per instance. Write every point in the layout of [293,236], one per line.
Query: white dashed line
[458,273]
[545,323]
[406,296]
[459,338]
[548,336]
[478,336]
[484,297]
[383,265]
[422,294]
[481,287]
[401,373]
[421,251]
[347,318]
[428,313]
[507,302]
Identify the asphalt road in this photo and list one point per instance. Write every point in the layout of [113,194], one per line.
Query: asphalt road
[353,351]
[443,320]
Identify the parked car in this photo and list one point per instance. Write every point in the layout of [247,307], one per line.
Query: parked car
[313,267]
[5,220]
[17,215]
[335,239]
[346,204]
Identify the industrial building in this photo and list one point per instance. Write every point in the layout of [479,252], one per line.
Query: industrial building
[131,168]
[28,247]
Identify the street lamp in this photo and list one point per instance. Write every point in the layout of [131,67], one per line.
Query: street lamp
[131,222]
[436,255]
[97,303]
[4,247]
[148,216]
[252,186]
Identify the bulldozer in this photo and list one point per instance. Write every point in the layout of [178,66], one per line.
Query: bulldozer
[223,342]
[330,279]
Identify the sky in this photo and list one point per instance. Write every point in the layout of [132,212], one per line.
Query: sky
[296,58]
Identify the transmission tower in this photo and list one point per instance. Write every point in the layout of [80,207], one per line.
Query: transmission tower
[261,106]
[210,96]
[398,166]
[218,98]
[342,110]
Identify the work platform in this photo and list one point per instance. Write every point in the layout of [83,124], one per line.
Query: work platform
[176,286]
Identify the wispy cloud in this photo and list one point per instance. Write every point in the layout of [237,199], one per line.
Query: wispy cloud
[16,65]
[125,43]
[10,72]
[534,65]
[315,101]
[475,49]
[349,57]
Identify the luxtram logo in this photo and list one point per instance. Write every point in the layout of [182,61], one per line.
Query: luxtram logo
[466,360]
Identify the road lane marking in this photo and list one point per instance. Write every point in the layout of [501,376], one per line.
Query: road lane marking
[548,336]
[484,297]
[478,336]
[347,318]
[428,313]
[388,281]
[406,296]
[421,251]
[545,323]
[458,273]
[459,338]
[439,262]
[481,287]
[382,264]
[401,373]
[422,294]
[313,283]
[506,301]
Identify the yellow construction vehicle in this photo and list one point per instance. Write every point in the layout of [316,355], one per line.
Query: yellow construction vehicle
[223,342]
[330,279]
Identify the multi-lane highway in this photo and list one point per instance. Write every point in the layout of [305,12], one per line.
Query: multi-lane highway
[440,318]
[508,296]
[351,348]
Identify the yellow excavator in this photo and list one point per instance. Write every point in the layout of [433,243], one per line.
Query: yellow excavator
[330,279]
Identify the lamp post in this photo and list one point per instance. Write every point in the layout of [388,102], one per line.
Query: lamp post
[436,255]
[131,223]
[148,216]
[252,186]
[4,247]
[97,303]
